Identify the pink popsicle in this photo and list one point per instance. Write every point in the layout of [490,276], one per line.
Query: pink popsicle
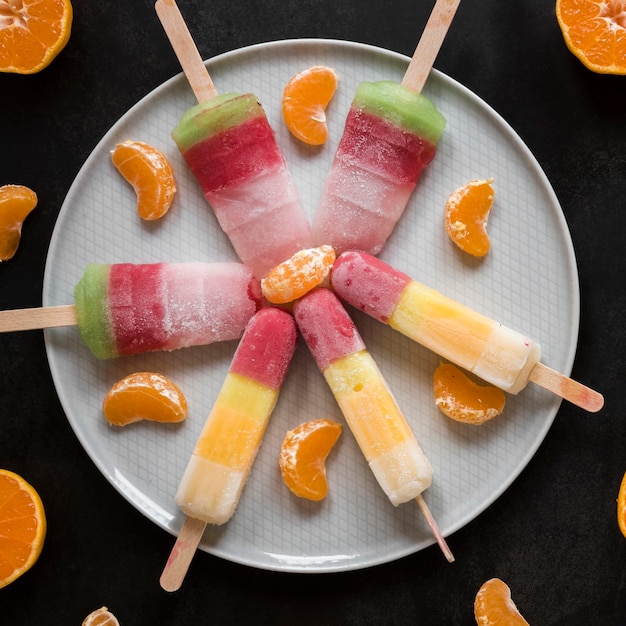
[125,309]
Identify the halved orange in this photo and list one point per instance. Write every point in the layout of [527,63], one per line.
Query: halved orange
[304,102]
[493,606]
[22,526]
[101,617]
[144,396]
[621,506]
[466,213]
[16,202]
[149,172]
[296,276]
[32,33]
[463,400]
[595,32]
[303,456]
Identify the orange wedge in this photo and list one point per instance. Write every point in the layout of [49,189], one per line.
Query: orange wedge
[101,617]
[16,202]
[466,214]
[493,606]
[32,33]
[305,99]
[304,271]
[144,395]
[303,456]
[621,506]
[595,32]
[22,526]
[150,174]
[462,399]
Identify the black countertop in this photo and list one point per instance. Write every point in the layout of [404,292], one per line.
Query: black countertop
[552,536]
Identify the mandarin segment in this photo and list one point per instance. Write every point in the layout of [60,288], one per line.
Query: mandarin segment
[101,617]
[32,33]
[304,102]
[144,395]
[149,172]
[463,400]
[296,276]
[16,202]
[22,526]
[493,606]
[466,214]
[303,454]
[595,32]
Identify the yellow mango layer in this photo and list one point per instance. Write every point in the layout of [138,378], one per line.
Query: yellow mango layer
[233,431]
[367,404]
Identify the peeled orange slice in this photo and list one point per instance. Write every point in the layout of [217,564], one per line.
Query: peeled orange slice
[101,617]
[22,526]
[144,395]
[466,214]
[150,174]
[16,202]
[462,399]
[493,606]
[303,456]
[304,271]
[32,33]
[305,99]
[595,32]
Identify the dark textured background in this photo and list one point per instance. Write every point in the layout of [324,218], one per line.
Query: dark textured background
[552,536]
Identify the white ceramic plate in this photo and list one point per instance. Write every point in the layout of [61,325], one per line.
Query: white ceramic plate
[528,281]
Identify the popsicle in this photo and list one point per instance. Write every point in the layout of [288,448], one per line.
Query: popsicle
[390,136]
[231,150]
[124,308]
[221,462]
[386,440]
[497,354]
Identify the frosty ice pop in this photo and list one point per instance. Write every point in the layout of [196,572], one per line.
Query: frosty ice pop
[219,467]
[495,353]
[231,149]
[390,136]
[228,444]
[383,434]
[126,308]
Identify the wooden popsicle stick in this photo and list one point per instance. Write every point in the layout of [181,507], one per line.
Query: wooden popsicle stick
[430,520]
[185,49]
[182,554]
[39,317]
[429,44]
[566,388]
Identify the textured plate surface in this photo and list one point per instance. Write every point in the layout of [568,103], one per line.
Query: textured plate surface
[528,281]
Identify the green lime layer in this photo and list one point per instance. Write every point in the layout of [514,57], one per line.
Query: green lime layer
[209,118]
[92,311]
[411,111]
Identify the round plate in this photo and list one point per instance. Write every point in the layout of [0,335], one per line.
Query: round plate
[528,281]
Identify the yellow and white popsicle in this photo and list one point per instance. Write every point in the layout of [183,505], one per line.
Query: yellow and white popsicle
[497,354]
[377,423]
[228,444]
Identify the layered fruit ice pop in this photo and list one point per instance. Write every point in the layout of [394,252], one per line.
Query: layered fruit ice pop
[231,149]
[225,451]
[127,308]
[386,440]
[377,423]
[390,136]
[497,354]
